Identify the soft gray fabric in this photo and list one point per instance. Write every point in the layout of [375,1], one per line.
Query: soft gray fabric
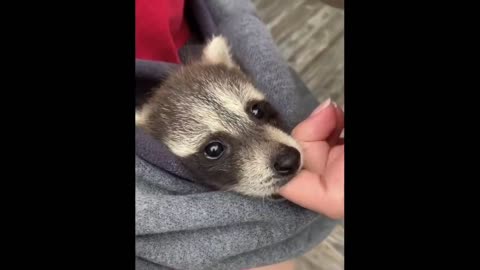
[183,225]
[256,52]
[222,10]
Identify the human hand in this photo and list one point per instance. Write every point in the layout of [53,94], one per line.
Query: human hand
[320,184]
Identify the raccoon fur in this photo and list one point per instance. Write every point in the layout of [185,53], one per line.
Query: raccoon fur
[211,116]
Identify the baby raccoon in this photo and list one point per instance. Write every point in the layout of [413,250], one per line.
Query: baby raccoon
[213,119]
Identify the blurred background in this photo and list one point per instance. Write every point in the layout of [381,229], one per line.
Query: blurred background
[310,36]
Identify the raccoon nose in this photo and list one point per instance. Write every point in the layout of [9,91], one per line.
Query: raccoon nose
[288,161]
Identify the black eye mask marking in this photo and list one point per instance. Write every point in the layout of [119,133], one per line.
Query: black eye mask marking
[262,112]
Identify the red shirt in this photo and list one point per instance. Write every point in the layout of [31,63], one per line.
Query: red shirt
[160,29]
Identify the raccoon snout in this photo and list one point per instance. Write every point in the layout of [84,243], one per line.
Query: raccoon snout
[287,161]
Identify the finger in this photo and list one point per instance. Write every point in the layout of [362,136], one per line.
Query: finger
[335,153]
[333,138]
[318,127]
[335,177]
[315,156]
[308,190]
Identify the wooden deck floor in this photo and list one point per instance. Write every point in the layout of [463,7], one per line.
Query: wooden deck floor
[310,36]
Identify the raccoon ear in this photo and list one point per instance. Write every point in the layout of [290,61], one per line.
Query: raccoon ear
[217,51]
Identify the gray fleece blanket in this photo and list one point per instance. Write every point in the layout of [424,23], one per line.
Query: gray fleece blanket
[183,225]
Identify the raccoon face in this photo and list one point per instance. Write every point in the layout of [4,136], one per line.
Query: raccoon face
[210,115]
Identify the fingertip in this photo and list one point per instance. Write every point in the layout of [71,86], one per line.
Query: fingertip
[322,106]
[340,123]
[318,126]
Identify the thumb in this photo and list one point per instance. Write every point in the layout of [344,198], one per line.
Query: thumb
[309,191]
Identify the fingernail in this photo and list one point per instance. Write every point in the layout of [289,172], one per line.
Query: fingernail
[322,106]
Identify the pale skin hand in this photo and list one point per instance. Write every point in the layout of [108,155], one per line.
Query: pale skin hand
[320,185]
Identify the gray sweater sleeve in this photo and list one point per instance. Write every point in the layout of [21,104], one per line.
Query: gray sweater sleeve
[183,225]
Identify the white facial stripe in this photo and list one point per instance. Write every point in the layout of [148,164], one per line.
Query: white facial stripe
[209,119]
[185,147]
[236,100]
[230,101]
[209,122]
[249,93]
[256,174]
[277,135]
[188,138]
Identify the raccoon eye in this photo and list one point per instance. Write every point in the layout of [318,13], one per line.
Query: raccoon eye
[214,150]
[257,111]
